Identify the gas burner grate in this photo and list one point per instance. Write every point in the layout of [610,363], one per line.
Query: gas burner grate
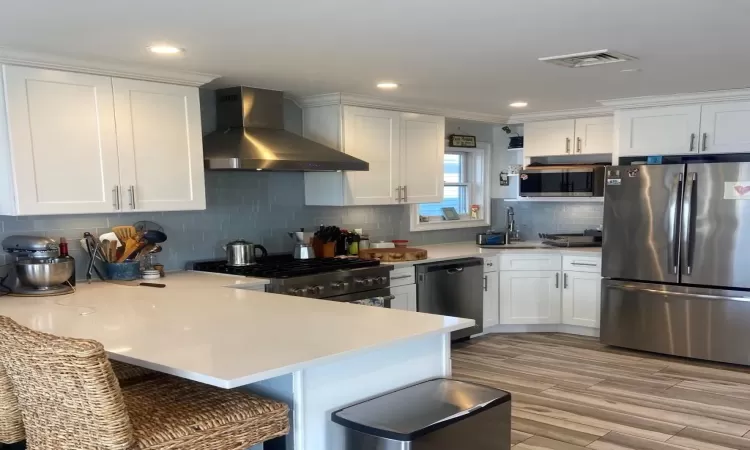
[286,267]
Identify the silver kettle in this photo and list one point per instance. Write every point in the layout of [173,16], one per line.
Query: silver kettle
[242,253]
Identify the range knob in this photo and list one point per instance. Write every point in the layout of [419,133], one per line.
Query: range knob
[383,280]
[338,285]
[297,291]
[317,290]
[360,282]
[369,281]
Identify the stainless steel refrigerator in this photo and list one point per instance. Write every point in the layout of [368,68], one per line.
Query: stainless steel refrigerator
[676,260]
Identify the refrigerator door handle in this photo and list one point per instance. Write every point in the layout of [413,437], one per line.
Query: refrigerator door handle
[687,222]
[630,288]
[674,224]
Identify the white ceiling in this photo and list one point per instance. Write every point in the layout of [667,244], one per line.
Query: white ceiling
[473,55]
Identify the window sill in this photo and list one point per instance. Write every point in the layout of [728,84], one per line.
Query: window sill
[450,225]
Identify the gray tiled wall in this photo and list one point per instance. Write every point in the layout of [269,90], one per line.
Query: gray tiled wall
[535,218]
[261,207]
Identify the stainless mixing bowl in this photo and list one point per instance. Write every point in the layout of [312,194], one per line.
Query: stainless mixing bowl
[44,273]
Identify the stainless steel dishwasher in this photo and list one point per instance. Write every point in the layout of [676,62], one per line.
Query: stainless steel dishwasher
[452,288]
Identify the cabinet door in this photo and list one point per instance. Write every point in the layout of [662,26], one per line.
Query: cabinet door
[63,141]
[581,298]
[161,146]
[724,127]
[490,301]
[422,154]
[594,135]
[671,130]
[529,297]
[405,297]
[553,137]
[373,135]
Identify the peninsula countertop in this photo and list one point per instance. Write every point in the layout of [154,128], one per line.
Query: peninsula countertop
[212,329]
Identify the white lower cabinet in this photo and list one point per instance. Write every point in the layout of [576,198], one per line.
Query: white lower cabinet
[581,296]
[529,297]
[405,297]
[491,300]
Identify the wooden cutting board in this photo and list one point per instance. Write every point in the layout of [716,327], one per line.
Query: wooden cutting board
[393,254]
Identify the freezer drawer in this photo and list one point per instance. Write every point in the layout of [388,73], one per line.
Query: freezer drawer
[698,323]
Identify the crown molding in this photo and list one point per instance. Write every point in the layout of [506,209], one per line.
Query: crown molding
[111,69]
[678,99]
[339,98]
[561,114]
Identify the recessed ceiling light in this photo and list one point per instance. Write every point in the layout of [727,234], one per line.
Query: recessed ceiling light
[165,49]
[519,105]
[388,85]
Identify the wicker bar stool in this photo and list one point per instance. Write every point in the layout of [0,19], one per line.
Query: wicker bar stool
[70,399]
[11,423]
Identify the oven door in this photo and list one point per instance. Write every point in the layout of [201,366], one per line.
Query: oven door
[562,182]
[380,298]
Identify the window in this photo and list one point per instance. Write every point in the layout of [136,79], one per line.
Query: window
[456,191]
[465,177]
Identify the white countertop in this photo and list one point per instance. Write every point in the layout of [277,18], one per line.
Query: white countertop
[199,329]
[444,252]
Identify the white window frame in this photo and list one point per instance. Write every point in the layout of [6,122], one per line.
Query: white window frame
[479,193]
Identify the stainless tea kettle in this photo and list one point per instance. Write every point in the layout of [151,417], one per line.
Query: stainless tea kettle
[242,253]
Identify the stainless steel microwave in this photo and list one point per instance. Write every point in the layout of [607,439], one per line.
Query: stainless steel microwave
[562,181]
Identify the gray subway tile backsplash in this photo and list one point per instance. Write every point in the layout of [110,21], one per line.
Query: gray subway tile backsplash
[533,218]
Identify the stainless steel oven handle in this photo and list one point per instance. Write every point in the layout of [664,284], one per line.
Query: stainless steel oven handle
[402,277]
[674,225]
[631,288]
[485,283]
[456,270]
[687,221]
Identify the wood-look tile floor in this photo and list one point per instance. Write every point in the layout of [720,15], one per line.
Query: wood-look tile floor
[572,393]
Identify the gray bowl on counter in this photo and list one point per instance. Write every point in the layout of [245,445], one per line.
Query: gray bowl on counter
[46,273]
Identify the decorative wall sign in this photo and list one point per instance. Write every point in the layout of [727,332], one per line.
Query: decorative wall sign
[464,141]
[737,190]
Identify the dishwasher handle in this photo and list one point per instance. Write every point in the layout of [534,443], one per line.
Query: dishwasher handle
[456,270]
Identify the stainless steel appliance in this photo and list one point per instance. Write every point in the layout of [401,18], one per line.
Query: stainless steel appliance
[242,253]
[562,181]
[675,258]
[491,239]
[38,269]
[338,279]
[302,247]
[250,135]
[512,234]
[452,288]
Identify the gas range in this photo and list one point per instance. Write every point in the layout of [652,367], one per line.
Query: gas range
[351,280]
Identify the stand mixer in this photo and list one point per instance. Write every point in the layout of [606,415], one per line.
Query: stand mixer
[38,269]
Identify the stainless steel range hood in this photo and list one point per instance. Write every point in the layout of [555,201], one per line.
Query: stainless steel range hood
[250,135]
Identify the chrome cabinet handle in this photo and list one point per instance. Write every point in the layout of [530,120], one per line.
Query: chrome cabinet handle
[578,144]
[567,145]
[401,277]
[131,191]
[557,280]
[584,264]
[456,270]
[485,283]
[116,197]
[687,221]
[692,142]
[565,281]
[398,194]
[704,142]
[404,191]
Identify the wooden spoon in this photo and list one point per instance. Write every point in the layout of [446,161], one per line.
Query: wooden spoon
[131,246]
[124,232]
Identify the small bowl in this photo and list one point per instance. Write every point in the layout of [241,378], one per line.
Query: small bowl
[124,271]
[400,243]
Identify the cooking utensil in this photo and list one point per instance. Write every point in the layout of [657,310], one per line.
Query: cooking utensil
[44,274]
[302,236]
[146,225]
[241,253]
[303,251]
[124,232]
[154,236]
[137,283]
[146,250]
[132,245]
[111,236]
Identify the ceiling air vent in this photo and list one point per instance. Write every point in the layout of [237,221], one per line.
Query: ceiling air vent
[587,59]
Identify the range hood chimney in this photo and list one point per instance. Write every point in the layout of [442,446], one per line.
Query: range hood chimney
[250,135]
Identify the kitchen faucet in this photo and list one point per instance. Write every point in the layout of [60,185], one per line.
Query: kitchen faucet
[512,231]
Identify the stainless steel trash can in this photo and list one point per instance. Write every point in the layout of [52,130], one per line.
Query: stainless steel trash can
[439,414]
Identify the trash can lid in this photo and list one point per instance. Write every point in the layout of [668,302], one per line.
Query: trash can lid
[416,410]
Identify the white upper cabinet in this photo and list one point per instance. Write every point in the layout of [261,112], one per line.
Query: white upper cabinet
[160,144]
[594,135]
[62,144]
[724,127]
[422,154]
[82,143]
[404,150]
[671,130]
[554,137]
[373,136]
